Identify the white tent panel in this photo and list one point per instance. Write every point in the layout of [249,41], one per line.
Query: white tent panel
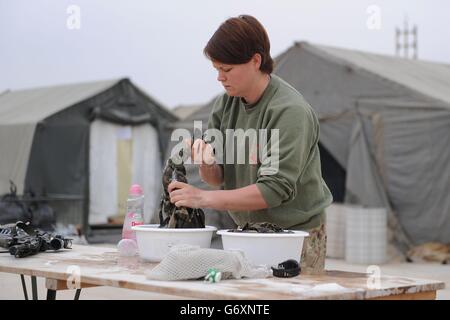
[146,169]
[147,166]
[103,173]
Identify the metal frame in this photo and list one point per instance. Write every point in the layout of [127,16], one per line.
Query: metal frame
[51,294]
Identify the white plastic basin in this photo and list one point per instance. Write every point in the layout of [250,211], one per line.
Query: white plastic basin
[154,243]
[265,248]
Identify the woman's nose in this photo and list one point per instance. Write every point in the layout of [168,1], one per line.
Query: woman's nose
[221,77]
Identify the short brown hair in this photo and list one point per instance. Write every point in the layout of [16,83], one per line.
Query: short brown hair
[237,40]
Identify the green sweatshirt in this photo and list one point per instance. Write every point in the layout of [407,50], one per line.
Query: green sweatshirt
[291,181]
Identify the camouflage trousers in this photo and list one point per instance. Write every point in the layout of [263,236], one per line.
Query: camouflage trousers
[314,251]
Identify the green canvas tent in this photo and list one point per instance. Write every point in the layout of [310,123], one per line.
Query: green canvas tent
[82,145]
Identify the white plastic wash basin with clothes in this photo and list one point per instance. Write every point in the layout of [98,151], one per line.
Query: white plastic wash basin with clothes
[265,248]
[154,242]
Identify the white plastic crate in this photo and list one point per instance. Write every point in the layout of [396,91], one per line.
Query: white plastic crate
[365,235]
[335,226]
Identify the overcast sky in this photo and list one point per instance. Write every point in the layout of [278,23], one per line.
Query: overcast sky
[158,44]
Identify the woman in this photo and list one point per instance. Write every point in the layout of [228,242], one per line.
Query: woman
[294,195]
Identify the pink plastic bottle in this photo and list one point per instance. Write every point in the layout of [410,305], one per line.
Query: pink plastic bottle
[133,217]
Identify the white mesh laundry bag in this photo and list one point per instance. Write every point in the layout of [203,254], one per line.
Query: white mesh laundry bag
[187,262]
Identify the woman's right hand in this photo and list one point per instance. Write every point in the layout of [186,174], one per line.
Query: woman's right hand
[201,152]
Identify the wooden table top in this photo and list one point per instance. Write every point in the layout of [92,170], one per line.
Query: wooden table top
[104,267]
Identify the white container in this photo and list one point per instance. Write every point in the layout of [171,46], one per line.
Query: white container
[265,248]
[366,235]
[154,242]
[335,226]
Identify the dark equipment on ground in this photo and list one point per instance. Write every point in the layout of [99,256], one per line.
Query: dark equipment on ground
[27,208]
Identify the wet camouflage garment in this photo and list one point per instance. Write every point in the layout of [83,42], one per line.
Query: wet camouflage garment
[314,251]
[169,215]
[261,227]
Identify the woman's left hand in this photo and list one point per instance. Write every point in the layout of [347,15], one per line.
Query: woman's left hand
[185,195]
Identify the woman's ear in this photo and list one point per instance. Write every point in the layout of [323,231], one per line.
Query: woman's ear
[256,61]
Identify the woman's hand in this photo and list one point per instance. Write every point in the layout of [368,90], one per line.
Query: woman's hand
[201,152]
[185,195]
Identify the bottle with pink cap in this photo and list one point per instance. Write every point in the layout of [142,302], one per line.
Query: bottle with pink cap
[133,217]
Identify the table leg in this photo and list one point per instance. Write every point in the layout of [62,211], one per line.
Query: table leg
[24,286]
[51,294]
[34,287]
[77,294]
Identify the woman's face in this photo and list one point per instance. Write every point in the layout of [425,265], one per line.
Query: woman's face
[237,79]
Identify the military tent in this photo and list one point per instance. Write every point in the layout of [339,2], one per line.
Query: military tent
[80,146]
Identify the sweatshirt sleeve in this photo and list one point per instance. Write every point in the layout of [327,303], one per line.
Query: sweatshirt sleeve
[287,153]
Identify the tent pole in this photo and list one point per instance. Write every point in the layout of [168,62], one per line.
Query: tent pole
[85,217]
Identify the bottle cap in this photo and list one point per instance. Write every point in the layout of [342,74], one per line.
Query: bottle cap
[136,189]
[127,247]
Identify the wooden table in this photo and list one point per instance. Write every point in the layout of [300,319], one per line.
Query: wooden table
[87,266]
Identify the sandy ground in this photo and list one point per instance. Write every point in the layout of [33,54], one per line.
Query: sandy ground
[12,289]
